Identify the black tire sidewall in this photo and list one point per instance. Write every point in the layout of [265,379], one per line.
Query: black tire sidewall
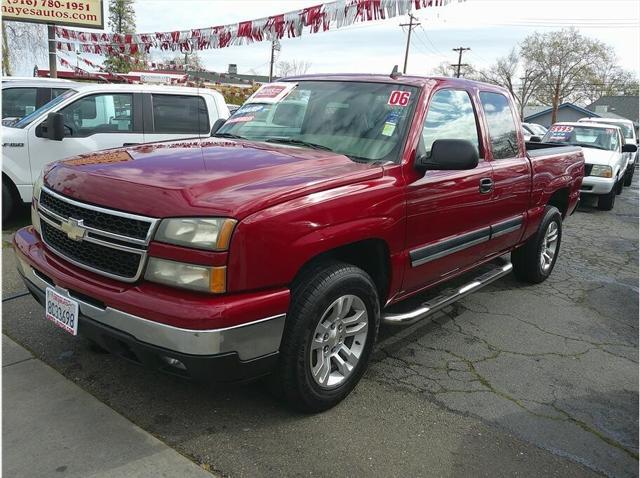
[551,215]
[8,202]
[308,307]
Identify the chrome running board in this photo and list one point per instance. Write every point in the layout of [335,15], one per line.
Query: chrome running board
[449,297]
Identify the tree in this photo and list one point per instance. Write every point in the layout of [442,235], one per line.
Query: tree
[122,20]
[22,42]
[293,68]
[446,69]
[193,61]
[609,79]
[562,60]
[520,78]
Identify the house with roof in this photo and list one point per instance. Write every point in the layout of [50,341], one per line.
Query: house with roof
[619,106]
[566,112]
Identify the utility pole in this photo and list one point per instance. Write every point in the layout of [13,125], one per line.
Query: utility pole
[406,51]
[275,46]
[459,64]
[53,60]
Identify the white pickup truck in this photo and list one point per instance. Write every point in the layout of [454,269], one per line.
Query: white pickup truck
[629,135]
[605,160]
[93,117]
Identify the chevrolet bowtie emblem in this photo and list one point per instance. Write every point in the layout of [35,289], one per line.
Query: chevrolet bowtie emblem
[74,229]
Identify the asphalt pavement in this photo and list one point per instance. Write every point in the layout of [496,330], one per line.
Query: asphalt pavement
[514,380]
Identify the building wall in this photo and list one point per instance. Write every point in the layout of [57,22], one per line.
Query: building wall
[564,114]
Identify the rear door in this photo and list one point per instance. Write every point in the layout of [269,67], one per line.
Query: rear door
[448,212]
[172,116]
[511,171]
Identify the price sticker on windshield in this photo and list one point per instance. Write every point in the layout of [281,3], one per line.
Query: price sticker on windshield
[272,93]
[399,98]
[561,129]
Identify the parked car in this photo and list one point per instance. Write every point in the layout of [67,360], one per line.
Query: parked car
[265,250]
[533,129]
[604,155]
[22,96]
[92,117]
[629,133]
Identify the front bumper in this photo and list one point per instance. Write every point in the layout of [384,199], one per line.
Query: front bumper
[229,353]
[596,185]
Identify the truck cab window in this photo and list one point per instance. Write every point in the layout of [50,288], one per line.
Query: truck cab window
[180,114]
[18,102]
[450,116]
[502,128]
[94,114]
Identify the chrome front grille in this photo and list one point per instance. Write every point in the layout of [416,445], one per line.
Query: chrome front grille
[107,242]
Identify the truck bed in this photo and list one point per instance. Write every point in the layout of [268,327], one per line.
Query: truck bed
[535,150]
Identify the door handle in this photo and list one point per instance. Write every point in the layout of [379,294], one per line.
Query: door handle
[486,185]
[130,144]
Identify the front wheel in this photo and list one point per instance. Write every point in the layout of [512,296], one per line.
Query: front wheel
[535,259]
[331,328]
[628,178]
[8,202]
[607,201]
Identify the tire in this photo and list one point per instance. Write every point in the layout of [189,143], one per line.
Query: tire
[619,186]
[607,201]
[8,202]
[628,178]
[308,376]
[527,260]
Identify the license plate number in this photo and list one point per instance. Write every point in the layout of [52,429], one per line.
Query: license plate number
[62,311]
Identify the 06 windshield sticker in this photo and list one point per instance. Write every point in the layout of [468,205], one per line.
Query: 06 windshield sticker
[399,98]
[272,93]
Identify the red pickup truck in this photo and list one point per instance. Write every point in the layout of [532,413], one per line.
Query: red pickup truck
[278,245]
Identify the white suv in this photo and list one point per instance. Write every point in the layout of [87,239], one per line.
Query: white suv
[92,117]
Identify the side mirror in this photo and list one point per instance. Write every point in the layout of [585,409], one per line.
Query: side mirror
[535,139]
[449,155]
[217,125]
[629,148]
[55,126]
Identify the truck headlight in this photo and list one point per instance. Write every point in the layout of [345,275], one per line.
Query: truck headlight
[601,171]
[212,234]
[187,276]
[37,188]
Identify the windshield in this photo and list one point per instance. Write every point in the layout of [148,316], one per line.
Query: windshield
[44,108]
[365,121]
[586,136]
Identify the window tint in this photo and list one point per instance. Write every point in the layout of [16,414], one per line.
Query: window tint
[502,128]
[450,116]
[18,102]
[180,114]
[110,113]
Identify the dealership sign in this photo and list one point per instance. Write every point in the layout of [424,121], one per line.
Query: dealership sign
[79,13]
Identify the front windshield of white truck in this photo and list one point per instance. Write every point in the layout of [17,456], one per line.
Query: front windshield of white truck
[364,121]
[585,136]
[27,120]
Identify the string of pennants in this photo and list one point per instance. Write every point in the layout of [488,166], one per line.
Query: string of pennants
[64,61]
[319,18]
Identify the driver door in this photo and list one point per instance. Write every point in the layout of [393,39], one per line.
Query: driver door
[92,123]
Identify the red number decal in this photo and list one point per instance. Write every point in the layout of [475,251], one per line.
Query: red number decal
[399,98]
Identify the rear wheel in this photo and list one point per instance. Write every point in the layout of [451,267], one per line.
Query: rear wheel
[607,201]
[534,261]
[332,325]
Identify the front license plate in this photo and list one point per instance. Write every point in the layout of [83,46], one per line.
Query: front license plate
[62,311]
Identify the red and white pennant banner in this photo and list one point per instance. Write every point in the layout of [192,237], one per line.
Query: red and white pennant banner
[327,16]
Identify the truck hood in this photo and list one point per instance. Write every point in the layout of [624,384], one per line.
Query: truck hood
[600,156]
[208,177]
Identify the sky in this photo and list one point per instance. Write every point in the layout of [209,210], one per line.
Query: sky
[491,28]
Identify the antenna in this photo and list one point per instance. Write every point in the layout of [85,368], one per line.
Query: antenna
[395,73]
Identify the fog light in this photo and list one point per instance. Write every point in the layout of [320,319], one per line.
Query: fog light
[175,363]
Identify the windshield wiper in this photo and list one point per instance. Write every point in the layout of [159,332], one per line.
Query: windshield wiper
[227,135]
[297,142]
